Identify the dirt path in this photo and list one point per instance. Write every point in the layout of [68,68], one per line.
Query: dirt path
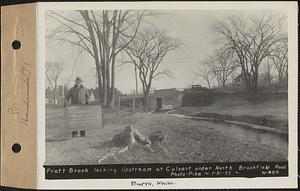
[187,141]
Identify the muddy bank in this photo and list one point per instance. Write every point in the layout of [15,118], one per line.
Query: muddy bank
[267,121]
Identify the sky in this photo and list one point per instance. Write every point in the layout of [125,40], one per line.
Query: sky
[192,27]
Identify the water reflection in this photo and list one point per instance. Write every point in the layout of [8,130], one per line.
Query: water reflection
[273,139]
[247,133]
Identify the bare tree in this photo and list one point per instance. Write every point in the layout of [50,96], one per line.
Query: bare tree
[53,73]
[103,35]
[222,64]
[267,74]
[205,73]
[251,40]
[147,52]
[279,57]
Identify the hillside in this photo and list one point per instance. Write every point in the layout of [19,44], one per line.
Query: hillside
[275,105]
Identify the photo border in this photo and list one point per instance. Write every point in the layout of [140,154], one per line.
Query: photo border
[259,182]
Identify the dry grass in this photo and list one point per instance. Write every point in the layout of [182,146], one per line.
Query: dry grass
[187,141]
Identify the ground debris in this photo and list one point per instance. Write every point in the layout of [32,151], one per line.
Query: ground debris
[158,136]
[112,154]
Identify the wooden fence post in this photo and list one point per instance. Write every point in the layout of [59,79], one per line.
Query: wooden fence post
[133,103]
[66,120]
[102,115]
[63,95]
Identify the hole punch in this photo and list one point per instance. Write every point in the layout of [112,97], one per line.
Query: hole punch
[16,44]
[16,148]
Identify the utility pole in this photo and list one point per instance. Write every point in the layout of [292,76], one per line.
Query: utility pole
[63,94]
[136,88]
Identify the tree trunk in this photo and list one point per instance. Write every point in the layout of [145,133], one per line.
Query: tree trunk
[146,95]
[100,87]
[247,81]
[255,78]
[54,94]
[223,84]
[136,80]
[208,84]
[108,83]
[104,89]
[280,74]
[100,94]
[111,102]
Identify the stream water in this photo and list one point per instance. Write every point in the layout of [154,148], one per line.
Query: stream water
[247,133]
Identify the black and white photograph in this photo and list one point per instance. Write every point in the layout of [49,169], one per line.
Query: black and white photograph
[166,86]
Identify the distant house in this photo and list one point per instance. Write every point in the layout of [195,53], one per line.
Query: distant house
[239,80]
[92,96]
[263,80]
